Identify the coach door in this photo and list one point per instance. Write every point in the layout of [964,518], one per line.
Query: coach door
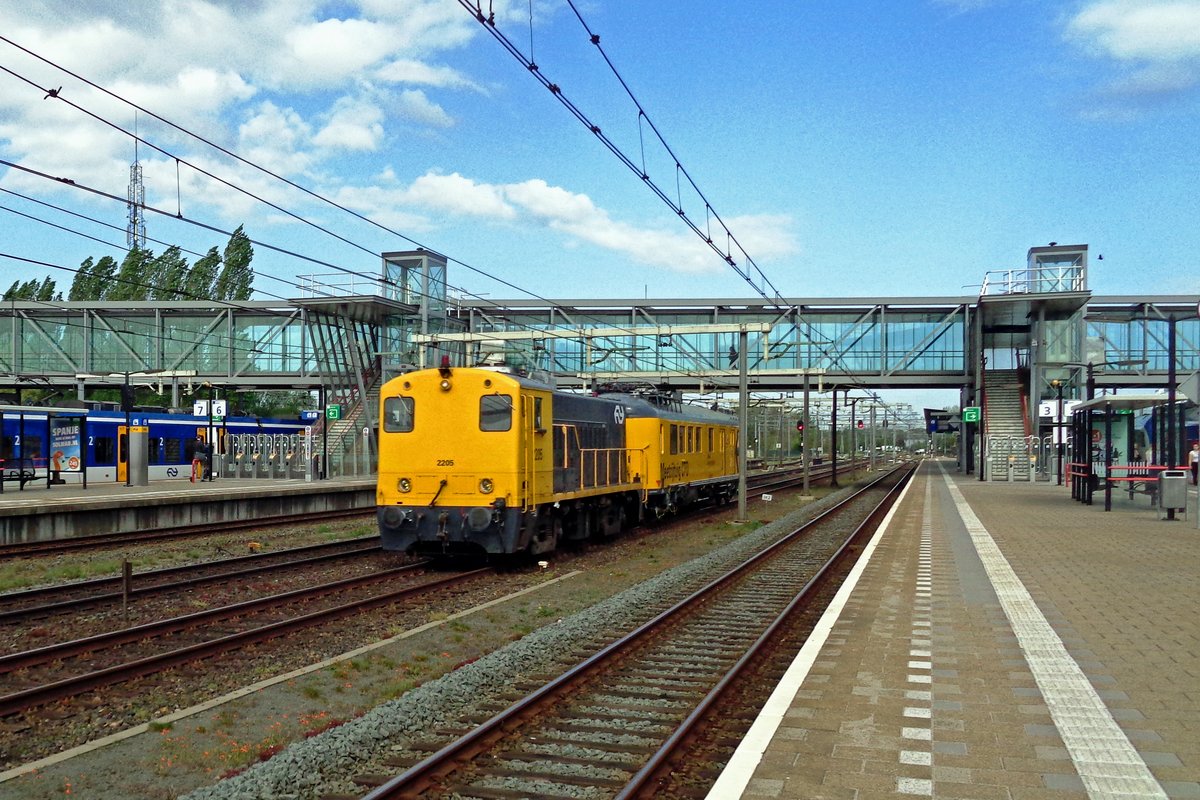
[122,454]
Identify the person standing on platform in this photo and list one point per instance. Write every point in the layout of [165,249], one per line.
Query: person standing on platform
[1194,461]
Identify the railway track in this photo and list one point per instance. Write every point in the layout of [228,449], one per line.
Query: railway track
[101,540]
[56,672]
[615,722]
[20,607]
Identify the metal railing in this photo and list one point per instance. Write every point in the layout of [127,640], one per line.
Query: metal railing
[1016,458]
[1034,280]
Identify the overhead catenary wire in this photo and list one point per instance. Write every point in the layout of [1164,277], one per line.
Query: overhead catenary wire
[488,21]
[240,159]
[556,90]
[57,94]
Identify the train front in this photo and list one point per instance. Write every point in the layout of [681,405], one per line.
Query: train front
[450,456]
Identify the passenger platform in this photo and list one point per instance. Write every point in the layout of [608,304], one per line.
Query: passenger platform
[38,512]
[1001,641]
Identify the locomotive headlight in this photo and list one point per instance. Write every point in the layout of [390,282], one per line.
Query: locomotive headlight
[445,384]
[485,485]
[404,485]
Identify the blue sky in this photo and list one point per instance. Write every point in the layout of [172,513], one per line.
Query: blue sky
[852,148]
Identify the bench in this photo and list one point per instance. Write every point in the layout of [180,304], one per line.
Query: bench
[22,471]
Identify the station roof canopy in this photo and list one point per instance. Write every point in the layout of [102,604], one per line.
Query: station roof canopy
[1125,400]
[54,411]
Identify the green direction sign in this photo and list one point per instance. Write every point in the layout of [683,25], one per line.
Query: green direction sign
[333,411]
[970,414]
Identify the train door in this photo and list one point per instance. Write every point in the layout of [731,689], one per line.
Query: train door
[122,454]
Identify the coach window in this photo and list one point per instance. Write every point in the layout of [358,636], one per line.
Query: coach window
[104,450]
[495,412]
[398,414]
[537,415]
[674,440]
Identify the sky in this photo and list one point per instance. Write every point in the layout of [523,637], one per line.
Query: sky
[831,149]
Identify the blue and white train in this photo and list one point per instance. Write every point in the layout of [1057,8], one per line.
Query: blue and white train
[31,441]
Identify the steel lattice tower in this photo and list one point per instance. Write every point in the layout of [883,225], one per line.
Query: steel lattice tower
[135,231]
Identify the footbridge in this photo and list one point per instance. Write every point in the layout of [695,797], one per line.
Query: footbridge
[1029,334]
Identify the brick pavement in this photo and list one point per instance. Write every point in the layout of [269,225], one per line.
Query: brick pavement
[922,687]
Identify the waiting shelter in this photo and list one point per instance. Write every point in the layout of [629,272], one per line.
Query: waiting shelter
[41,442]
[1109,450]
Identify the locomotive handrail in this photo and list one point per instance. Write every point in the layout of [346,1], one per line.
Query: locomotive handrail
[527,482]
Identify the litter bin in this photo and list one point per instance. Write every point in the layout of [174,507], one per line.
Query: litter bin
[1172,489]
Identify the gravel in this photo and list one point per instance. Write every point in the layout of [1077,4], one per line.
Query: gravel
[324,763]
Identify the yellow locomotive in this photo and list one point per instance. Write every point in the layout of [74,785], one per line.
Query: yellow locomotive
[478,460]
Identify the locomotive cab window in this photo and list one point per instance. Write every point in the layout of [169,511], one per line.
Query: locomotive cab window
[495,412]
[398,414]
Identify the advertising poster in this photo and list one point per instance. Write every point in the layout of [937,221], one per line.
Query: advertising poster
[65,450]
[1119,445]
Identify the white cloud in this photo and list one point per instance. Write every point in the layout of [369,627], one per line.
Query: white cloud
[353,125]
[1135,30]
[275,138]
[415,105]
[327,53]
[579,220]
[458,195]
[407,70]
[1154,47]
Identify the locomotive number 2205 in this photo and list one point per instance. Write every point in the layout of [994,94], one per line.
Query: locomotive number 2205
[445,462]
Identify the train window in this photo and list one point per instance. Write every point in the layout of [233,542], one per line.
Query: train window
[674,440]
[173,451]
[495,412]
[6,447]
[710,440]
[537,415]
[691,441]
[31,447]
[104,450]
[398,414]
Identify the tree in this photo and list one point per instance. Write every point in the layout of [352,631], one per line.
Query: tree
[203,274]
[81,286]
[103,275]
[133,280]
[236,279]
[45,291]
[32,290]
[168,274]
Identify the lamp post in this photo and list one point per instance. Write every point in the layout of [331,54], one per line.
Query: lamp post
[1058,430]
[833,437]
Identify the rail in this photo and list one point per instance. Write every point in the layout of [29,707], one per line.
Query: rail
[733,586]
